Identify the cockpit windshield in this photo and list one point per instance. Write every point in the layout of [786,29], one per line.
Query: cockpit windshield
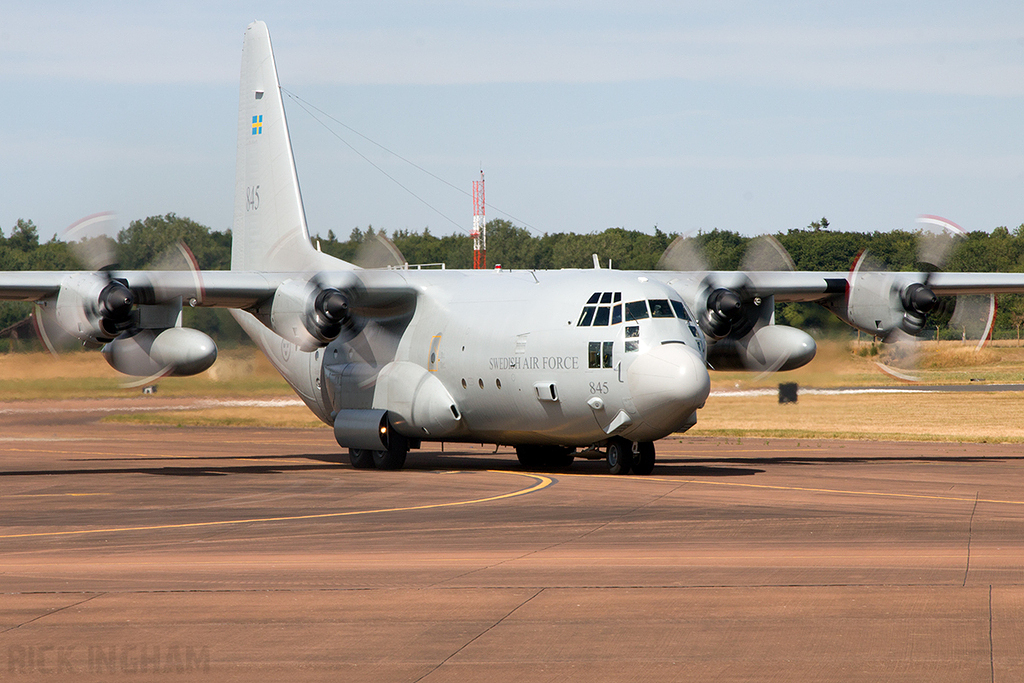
[606,308]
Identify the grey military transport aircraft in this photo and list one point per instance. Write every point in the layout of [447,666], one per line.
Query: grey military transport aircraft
[552,361]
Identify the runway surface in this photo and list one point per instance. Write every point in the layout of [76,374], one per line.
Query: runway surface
[141,553]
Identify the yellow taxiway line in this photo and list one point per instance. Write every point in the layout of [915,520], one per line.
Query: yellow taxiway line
[542,483]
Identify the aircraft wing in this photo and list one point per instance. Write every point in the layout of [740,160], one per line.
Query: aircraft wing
[209,288]
[818,286]
[308,309]
[949,284]
[881,303]
[246,289]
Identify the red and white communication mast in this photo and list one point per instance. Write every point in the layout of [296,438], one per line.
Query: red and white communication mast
[479,233]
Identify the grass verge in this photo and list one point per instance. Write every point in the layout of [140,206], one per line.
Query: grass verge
[976,417]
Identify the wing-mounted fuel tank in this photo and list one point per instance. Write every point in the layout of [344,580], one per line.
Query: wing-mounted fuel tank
[766,347]
[139,336]
[176,351]
[157,344]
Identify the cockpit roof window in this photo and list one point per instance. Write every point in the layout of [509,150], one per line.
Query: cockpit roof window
[636,310]
[605,314]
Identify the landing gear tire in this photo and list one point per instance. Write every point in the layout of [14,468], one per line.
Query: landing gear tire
[619,455]
[558,459]
[644,462]
[361,458]
[530,457]
[546,458]
[391,459]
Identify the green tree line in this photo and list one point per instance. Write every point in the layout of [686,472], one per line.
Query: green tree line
[143,243]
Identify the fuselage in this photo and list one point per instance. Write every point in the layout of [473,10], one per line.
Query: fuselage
[568,357]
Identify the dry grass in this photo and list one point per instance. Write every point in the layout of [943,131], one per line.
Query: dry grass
[931,416]
[973,416]
[837,364]
[961,356]
[26,376]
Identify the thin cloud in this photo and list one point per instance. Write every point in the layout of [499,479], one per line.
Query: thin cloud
[106,47]
[936,60]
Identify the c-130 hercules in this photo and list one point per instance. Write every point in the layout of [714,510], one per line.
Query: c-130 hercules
[546,361]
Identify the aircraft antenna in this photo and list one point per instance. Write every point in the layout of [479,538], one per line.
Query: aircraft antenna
[479,233]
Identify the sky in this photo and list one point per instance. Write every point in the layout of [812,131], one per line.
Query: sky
[745,116]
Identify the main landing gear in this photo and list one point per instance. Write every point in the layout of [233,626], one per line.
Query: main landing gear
[391,459]
[624,456]
[546,458]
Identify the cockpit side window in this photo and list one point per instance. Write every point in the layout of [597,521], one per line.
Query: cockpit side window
[680,309]
[636,310]
[660,308]
[586,316]
[601,317]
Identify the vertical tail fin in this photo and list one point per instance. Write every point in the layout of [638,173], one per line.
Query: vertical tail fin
[269,228]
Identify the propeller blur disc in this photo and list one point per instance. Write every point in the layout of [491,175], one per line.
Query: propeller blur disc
[92,240]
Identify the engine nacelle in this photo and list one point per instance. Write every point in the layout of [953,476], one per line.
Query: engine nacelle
[882,303]
[730,309]
[767,349]
[308,315]
[91,307]
[177,351]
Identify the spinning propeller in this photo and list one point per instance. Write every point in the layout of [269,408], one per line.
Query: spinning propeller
[320,308]
[92,308]
[139,330]
[727,303]
[733,314]
[894,307]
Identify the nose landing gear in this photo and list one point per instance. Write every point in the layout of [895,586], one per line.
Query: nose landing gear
[624,456]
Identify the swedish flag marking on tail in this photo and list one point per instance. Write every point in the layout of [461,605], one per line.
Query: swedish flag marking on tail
[257,125]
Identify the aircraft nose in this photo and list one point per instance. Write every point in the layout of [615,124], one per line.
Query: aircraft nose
[667,384]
